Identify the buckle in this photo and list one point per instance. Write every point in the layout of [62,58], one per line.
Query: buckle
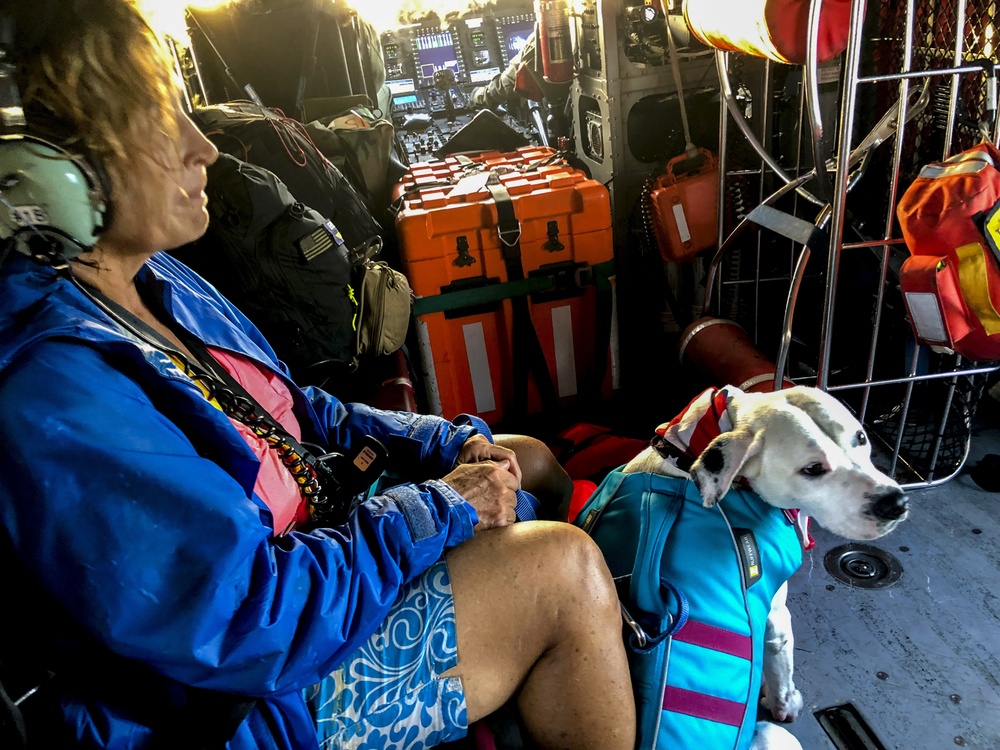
[504,233]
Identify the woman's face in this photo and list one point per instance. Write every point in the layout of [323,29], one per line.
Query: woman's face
[165,210]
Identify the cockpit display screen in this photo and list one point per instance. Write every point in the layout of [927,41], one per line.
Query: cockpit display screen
[485,75]
[514,35]
[434,52]
[401,86]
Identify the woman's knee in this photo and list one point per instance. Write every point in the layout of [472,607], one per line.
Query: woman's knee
[574,567]
[552,561]
[543,475]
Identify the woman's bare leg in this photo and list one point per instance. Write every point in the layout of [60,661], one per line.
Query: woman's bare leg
[542,475]
[537,618]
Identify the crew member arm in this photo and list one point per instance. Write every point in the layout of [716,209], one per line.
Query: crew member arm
[149,534]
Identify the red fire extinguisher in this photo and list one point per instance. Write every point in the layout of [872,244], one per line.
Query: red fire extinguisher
[554,40]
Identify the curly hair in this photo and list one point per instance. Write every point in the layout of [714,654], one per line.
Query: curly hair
[97,80]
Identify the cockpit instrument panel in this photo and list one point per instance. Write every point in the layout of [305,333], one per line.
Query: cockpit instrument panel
[513,33]
[478,42]
[432,70]
[435,50]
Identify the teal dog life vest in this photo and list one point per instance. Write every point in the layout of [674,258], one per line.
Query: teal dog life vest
[697,584]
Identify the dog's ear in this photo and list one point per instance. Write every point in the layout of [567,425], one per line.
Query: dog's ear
[717,466]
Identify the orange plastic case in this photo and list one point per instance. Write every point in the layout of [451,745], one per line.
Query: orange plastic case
[686,209]
[449,243]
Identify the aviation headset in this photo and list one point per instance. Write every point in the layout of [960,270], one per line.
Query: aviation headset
[53,204]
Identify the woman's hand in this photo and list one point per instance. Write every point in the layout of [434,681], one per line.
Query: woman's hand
[477,448]
[488,486]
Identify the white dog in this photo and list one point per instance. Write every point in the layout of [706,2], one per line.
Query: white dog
[797,448]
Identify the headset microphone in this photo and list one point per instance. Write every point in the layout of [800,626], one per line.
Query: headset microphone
[52,205]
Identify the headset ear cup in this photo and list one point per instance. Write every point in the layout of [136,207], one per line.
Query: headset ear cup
[99,182]
[51,131]
[47,192]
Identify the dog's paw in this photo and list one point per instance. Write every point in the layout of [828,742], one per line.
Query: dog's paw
[772,737]
[783,705]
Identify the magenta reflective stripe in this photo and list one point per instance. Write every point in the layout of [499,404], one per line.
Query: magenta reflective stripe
[703,706]
[716,639]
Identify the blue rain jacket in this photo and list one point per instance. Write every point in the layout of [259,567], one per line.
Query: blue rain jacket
[130,498]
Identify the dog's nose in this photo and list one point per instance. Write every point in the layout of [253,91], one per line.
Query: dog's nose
[890,506]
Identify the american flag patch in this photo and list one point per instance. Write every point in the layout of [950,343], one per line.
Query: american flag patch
[319,241]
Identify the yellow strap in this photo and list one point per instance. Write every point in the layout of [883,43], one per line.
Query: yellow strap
[201,386]
[975,287]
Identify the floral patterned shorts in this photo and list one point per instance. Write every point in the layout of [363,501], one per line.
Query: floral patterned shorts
[390,693]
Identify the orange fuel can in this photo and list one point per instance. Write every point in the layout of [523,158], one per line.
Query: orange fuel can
[686,208]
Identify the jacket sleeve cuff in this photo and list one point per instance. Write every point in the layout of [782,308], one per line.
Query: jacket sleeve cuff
[421,517]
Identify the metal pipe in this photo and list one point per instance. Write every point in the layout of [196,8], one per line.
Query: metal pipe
[723,163]
[429,374]
[914,378]
[737,231]
[942,426]
[196,66]
[949,131]
[338,77]
[367,74]
[764,279]
[925,73]
[840,187]
[810,79]
[897,157]
[873,243]
[190,14]
[793,298]
[765,139]
[536,117]
[352,55]
[741,123]
[904,411]
[799,137]
[179,66]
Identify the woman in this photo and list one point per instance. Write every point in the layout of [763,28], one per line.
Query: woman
[171,569]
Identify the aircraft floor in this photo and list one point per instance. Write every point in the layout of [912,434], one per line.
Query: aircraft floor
[918,659]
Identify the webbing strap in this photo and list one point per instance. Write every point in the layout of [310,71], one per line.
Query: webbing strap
[483,295]
[528,355]
[716,639]
[703,706]
[792,227]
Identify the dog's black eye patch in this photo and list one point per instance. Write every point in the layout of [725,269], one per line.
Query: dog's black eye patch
[860,438]
[813,470]
[713,460]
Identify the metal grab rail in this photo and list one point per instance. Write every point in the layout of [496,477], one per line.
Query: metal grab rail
[829,185]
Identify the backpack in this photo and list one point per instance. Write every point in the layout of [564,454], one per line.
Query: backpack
[265,138]
[950,218]
[365,148]
[284,265]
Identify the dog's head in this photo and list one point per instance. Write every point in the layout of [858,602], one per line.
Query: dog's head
[801,448]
